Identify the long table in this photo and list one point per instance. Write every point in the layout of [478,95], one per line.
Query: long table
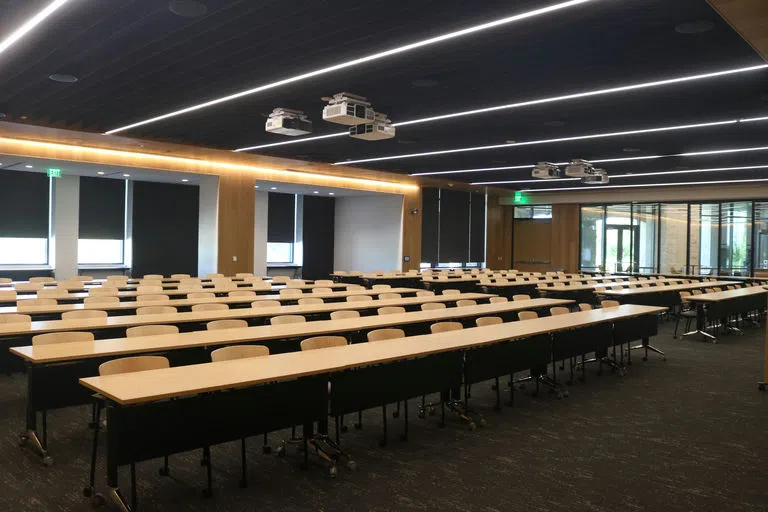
[668,296]
[718,306]
[294,387]
[586,292]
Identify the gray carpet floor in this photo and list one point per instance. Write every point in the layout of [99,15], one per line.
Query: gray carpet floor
[688,434]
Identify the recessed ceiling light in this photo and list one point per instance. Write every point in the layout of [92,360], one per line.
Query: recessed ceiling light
[694,27]
[187,8]
[272,188]
[361,60]
[316,192]
[553,99]
[331,193]
[185,180]
[28,166]
[255,186]
[126,175]
[100,173]
[30,24]
[63,78]
[510,141]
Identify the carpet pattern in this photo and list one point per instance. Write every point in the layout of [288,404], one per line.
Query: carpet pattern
[688,434]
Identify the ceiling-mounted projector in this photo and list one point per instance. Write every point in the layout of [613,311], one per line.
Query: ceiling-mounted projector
[288,122]
[381,128]
[545,170]
[595,177]
[578,168]
[349,109]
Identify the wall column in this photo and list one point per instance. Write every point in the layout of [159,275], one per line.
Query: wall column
[411,231]
[261,219]
[498,235]
[66,226]
[236,215]
[207,245]
[565,237]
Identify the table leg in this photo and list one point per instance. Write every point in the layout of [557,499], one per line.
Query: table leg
[701,320]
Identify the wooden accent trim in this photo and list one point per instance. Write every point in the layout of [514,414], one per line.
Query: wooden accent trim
[411,235]
[747,17]
[237,204]
[564,245]
[498,232]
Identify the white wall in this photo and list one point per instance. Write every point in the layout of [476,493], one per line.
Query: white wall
[260,234]
[66,226]
[368,233]
[208,226]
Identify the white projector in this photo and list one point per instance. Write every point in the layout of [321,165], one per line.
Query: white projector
[381,128]
[545,170]
[288,122]
[578,168]
[349,109]
[595,177]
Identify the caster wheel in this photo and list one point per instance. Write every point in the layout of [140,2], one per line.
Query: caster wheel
[266,450]
[395,414]
[98,501]
[242,484]
[207,493]
[351,465]
[87,492]
[358,426]
[23,440]
[48,461]
[164,471]
[333,472]
[472,427]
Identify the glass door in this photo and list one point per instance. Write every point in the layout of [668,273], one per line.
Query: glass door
[618,248]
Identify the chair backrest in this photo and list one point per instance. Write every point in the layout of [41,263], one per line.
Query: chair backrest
[83,314]
[145,290]
[497,300]
[488,320]
[445,327]
[61,337]
[14,318]
[152,298]
[180,276]
[266,304]
[150,330]
[153,277]
[133,364]
[213,276]
[521,297]
[355,287]
[230,323]
[696,292]
[466,302]
[296,282]
[210,307]
[155,310]
[321,289]
[242,293]
[280,279]
[36,302]
[451,291]
[287,319]
[323,282]
[391,310]
[359,298]
[41,279]
[344,315]
[585,307]
[431,306]
[425,293]
[291,292]
[108,300]
[104,291]
[323,342]
[609,304]
[308,301]
[239,352]
[201,295]
[717,289]
[385,334]
[381,287]
[389,296]
[527,315]
[559,311]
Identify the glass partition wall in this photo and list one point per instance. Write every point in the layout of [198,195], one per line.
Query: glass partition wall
[676,238]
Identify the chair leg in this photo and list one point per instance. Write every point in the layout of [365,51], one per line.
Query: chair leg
[134,498]
[359,424]
[498,396]
[404,437]
[265,448]
[45,429]
[383,440]
[208,491]
[88,491]
[244,477]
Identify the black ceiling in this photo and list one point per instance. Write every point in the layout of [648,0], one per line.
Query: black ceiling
[135,59]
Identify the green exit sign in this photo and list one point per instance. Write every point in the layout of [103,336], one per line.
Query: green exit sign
[54,172]
[519,197]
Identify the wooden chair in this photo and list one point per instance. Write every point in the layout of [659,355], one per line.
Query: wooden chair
[238,352]
[5,280]
[389,296]
[190,288]
[685,311]
[381,287]
[559,311]
[521,297]
[41,279]
[52,293]
[28,287]
[155,310]
[609,304]
[36,302]
[153,277]
[308,301]
[431,306]
[83,314]
[322,289]
[150,330]
[61,337]
[344,315]
[355,287]
[391,310]
[288,293]
[498,300]
[287,319]
[425,293]
[451,291]
[439,327]
[585,307]
[201,295]
[296,282]
[242,294]
[266,304]
[104,291]
[143,289]
[359,298]
[180,276]
[280,279]
[233,323]
[385,334]
[527,315]
[319,342]
[111,301]
[210,307]
[143,299]
[323,282]
[488,320]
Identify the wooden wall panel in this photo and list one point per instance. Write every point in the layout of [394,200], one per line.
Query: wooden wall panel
[498,254]
[747,17]
[565,237]
[532,250]
[411,230]
[237,204]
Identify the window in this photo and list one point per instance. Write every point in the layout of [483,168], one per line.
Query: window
[592,222]
[735,239]
[99,252]
[534,212]
[23,251]
[674,230]
[102,221]
[279,252]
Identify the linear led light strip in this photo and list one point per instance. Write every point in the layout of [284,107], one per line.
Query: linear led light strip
[633,175]
[362,60]
[687,183]
[698,153]
[149,158]
[529,103]
[30,24]
[550,141]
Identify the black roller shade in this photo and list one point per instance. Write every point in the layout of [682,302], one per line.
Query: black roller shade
[477,228]
[165,228]
[429,224]
[281,218]
[454,226]
[102,209]
[318,229]
[24,204]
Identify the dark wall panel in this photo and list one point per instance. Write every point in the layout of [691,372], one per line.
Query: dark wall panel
[165,228]
[281,216]
[429,224]
[454,226]
[319,214]
[477,227]
[102,208]
[24,204]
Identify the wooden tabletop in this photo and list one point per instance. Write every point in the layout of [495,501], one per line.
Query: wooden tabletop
[120,346]
[153,385]
[670,288]
[134,281]
[728,294]
[585,287]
